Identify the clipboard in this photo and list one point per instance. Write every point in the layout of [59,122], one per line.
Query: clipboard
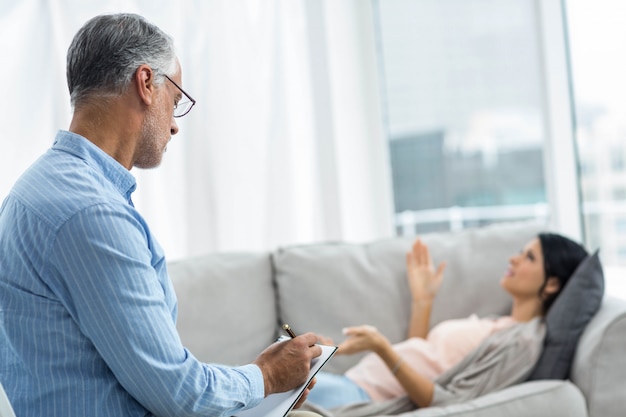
[280,404]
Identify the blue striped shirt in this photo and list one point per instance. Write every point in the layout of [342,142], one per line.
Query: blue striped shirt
[87,309]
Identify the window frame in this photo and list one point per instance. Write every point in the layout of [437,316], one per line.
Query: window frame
[561,162]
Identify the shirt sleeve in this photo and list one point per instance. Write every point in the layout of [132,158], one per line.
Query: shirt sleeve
[110,287]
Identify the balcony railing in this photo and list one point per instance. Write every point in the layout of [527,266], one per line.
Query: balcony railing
[457,218]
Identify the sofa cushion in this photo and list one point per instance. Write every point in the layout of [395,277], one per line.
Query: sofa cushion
[577,303]
[226,305]
[326,287]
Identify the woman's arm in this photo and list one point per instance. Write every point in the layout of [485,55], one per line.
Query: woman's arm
[368,338]
[424,282]
[420,318]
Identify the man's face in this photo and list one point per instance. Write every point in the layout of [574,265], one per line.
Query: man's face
[159,124]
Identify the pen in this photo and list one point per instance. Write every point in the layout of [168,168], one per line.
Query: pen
[288,330]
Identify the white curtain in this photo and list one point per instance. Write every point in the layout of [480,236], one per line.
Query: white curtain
[285,145]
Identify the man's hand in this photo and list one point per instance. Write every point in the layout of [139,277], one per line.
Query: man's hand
[286,365]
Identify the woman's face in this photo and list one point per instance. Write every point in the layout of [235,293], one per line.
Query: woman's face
[525,275]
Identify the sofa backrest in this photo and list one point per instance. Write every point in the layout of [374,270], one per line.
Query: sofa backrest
[231,304]
[226,305]
[326,287]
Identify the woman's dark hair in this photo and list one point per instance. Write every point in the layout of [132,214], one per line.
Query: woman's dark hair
[561,257]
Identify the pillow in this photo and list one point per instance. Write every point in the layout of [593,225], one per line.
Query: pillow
[566,320]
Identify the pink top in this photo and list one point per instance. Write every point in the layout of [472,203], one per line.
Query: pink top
[445,345]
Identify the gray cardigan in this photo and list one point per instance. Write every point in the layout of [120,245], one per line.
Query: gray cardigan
[503,359]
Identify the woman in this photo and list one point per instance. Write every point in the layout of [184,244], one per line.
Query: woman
[535,277]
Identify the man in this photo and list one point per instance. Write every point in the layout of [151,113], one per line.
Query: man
[87,310]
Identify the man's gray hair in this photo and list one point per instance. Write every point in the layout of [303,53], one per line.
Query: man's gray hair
[106,52]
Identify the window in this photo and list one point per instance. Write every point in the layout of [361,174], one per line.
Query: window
[597,36]
[617,160]
[465,112]
[619,193]
[505,110]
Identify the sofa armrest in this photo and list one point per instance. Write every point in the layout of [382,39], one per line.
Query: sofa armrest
[537,398]
[599,367]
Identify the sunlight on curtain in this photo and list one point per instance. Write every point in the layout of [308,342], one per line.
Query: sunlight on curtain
[285,145]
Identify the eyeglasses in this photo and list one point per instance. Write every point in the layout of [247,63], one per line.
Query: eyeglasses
[185,104]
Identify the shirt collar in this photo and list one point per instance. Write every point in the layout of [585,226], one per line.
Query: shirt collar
[96,158]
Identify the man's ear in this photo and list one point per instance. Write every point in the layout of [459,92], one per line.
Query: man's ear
[553,286]
[144,80]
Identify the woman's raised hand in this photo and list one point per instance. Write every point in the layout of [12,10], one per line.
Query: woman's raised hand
[424,279]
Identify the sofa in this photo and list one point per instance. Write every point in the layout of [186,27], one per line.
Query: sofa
[231,306]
